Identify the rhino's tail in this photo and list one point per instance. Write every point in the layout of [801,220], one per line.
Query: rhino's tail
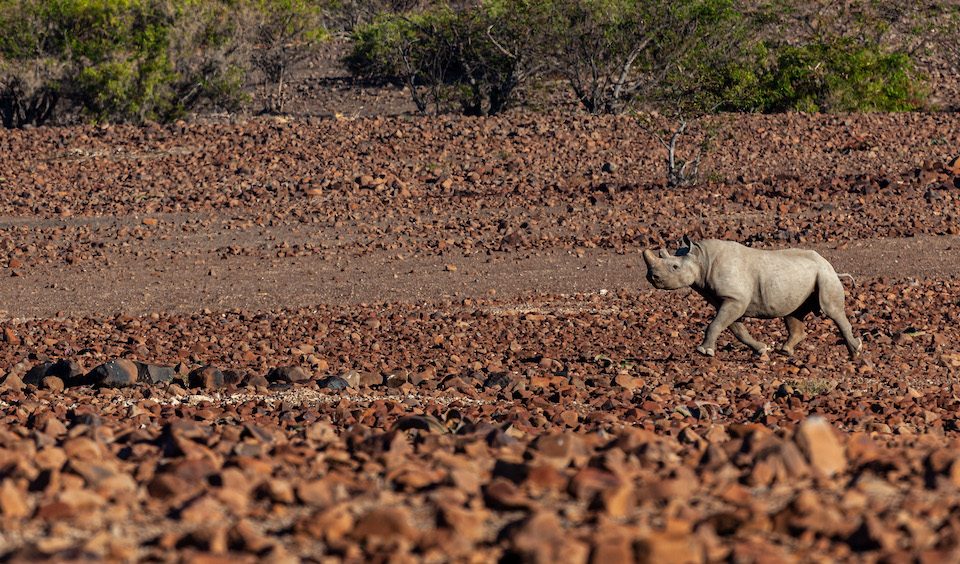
[846,275]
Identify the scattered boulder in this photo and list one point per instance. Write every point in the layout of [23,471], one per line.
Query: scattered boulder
[335,383]
[117,373]
[206,377]
[155,374]
[288,374]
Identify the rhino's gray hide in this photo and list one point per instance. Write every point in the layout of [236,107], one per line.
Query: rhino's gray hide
[743,282]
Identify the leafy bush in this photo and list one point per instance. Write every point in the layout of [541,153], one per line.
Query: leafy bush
[127,60]
[613,52]
[852,56]
[284,32]
[840,77]
[476,58]
[349,15]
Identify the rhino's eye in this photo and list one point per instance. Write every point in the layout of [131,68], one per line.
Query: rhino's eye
[676,267]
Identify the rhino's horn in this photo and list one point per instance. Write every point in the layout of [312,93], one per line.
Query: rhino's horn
[664,253]
[649,257]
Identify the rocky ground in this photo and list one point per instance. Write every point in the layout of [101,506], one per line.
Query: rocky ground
[430,339]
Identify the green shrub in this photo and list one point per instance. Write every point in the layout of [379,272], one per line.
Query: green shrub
[706,55]
[283,33]
[125,60]
[838,76]
[842,77]
[475,58]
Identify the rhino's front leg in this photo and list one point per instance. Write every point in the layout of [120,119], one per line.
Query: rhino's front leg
[728,312]
[740,331]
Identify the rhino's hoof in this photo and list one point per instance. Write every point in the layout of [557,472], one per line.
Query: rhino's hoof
[705,351]
[763,350]
[855,351]
[785,351]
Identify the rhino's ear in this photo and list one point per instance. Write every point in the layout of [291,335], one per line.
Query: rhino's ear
[687,243]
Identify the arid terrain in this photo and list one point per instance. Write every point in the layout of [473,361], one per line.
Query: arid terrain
[403,338]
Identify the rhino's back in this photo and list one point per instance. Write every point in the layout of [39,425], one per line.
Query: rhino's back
[774,282]
[721,252]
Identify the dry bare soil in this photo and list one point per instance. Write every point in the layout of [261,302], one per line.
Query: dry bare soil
[430,339]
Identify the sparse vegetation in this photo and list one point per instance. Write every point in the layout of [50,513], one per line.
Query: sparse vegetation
[475,59]
[282,34]
[688,58]
[137,60]
[129,60]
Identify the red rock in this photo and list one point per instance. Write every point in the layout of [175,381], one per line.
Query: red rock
[207,378]
[331,524]
[541,538]
[670,547]
[818,441]
[80,500]
[503,494]
[466,523]
[13,501]
[245,535]
[288,374]
[280,491]
[203,510]
[385,524]
[114,374]
[13,382]
[53,384]
[612,546]
[82,448]
[10,336]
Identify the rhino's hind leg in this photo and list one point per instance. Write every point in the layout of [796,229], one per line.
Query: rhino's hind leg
[795,333]
[831,304]
[740,331]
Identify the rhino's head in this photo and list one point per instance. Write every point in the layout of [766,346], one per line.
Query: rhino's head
[669,272]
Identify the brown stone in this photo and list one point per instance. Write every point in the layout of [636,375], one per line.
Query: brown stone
[246,535]
[207,378]
[81,500]
[386,524]
[331,525]
[557,449]
[288,374]
[53,384]
[280,491]
[611,547]
[466,523]
[628,382]
[318,493]
[114,374]
[13,501]
[203,510]
[82,448]
[11,337]
[13,382]
[541,538]
[818,442]
[503,494]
